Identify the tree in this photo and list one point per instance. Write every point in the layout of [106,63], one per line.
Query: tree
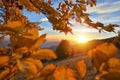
[22,56]
[64,50]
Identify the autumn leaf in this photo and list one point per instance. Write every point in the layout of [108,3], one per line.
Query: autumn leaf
[32,34]
[98,58]
[38,42]
[4,60]
[43,54]
[81,67]
[113,65]
[22,49]
[83,7]
[64,73]
[107,48]
[27,67]
[111,76]
[78,20]
[15,26]
[47,72]
[4,73]
[91,53]
[36,62]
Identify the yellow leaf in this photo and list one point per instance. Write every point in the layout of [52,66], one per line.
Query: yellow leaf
[114,65]
[98,58]
[4,73]
[64,73]
[32,34]
[90,53]
[108,48]
[47,72]
[43,54]
[81,67]
[20,66]
[27,67]
[78,20]
[38,63]
[4,60]
[38,42]
[22,49]
[83,7]
[16,26]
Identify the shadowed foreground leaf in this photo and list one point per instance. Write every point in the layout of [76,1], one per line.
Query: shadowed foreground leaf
[47,72]
[111,76]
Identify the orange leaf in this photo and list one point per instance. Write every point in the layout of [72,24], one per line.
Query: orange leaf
[108,48]
[4,60]
[38,42]
[64,73]
[43,54]
[32,34]
[81,67]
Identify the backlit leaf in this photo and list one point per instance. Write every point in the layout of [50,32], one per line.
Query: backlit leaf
[38,42]
[32,34]
[38,63]
[98,58]
[4,73]
[83,7]
[27,67]
[64,73]
[15,26]
[43,54]
[47,72]
[108,48]
[81,67]
[113,65]
[4,60]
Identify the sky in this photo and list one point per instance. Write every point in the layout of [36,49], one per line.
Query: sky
[106,11]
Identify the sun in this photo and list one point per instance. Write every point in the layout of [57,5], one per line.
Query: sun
[82,39]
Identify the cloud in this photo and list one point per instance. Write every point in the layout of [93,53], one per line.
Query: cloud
[106,18]
[43,19]
[105,7]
